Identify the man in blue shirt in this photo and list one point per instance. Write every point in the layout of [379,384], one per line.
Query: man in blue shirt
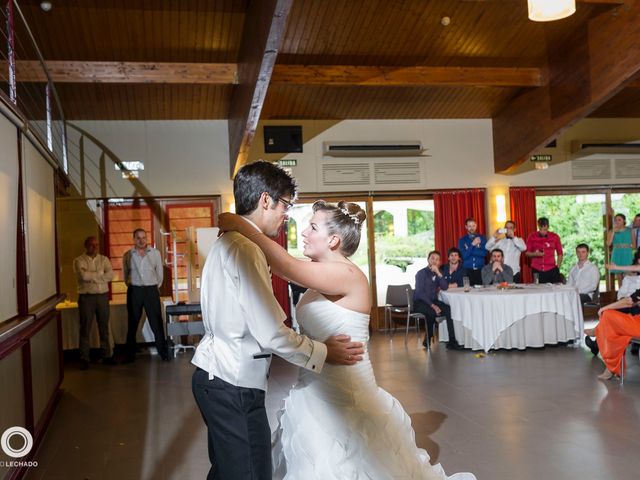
[453,271]
[429,281]
[472,247]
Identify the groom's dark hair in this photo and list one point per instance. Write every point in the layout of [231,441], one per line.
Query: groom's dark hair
[254,179]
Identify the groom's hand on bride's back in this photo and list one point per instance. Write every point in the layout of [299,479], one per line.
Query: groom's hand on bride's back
[342,351]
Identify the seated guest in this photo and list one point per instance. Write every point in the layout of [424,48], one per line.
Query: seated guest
[542,247]
[496,271]
[505,239]
[631,281]
[614,332]
[630,284]
[471,247]
[584,275]
[429,281]
[454,272]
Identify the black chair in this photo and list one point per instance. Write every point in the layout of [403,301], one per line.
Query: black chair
[395,304]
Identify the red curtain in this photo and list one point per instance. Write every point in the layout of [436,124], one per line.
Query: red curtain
[281,287]
[523,212]
[452,208]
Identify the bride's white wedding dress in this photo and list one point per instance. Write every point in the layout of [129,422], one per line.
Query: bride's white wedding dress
[340,425]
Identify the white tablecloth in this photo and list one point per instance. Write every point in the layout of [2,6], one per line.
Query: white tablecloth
[533,316]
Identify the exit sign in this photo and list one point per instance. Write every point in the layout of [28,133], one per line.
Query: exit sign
[288,162]
[540,158]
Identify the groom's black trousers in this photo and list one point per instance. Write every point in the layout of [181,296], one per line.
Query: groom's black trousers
[238,429]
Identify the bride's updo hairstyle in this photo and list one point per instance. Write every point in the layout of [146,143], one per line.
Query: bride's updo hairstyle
[344,220]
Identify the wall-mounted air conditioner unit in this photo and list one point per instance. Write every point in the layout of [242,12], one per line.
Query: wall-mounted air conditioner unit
[372,149]
[581,148]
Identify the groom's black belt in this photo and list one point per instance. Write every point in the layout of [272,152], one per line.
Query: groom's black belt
[261,355]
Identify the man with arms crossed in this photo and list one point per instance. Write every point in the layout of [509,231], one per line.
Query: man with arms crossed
[244,324]
[496,271]
[93,274]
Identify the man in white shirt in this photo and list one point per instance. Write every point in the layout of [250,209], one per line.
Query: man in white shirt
[244,325]
[93,274]
[512,246]
[143,274]
[584,275]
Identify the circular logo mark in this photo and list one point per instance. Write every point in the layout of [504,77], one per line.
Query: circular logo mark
[27,442]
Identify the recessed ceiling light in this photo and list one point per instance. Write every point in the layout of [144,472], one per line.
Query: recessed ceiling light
[46,6]
[445,21]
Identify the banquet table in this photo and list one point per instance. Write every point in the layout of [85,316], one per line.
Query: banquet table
[525,316]
[117,325]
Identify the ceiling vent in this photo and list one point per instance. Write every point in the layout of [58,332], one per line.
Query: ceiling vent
[371,175]
[591,169]
[372,149]
[582,149]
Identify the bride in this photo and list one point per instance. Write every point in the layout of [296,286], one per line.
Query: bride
[339,424]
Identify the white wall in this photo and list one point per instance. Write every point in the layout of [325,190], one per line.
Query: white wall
[461,151]
[39,213]
[180,157]
[191,157]
[8,218]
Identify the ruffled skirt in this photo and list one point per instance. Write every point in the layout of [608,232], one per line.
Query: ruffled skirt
[368,436]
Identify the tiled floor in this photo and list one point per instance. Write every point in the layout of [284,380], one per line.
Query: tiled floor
[534,414]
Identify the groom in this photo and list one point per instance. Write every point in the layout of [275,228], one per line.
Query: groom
[244,324]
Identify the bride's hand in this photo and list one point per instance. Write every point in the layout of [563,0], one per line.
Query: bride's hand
[342,351]
[231,222]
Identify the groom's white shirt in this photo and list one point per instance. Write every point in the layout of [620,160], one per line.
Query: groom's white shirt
[242,318]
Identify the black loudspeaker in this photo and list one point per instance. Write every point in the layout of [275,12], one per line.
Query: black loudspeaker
[283,139]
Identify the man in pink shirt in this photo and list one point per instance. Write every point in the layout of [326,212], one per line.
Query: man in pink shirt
[542,247]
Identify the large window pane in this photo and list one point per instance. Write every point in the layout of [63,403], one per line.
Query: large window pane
[577,219]
[403,234]
[627,204]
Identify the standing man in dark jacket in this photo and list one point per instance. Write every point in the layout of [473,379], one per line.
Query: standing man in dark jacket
[472,246]
[429,281]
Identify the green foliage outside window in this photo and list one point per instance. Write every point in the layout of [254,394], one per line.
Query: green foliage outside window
[419,221]
[578,220]
[575,220]
[383,223]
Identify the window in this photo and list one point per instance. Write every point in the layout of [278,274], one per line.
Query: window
[403,235]
[123,220]
[576,219]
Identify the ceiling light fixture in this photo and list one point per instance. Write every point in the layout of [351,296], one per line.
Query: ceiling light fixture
[549,10]
[46,6]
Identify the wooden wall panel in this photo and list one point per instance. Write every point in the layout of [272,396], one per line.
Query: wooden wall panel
[383,102]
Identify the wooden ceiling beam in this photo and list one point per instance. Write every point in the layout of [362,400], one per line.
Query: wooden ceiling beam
[63,71]
[597,61]
[263,33]
[227,74]
[408,76]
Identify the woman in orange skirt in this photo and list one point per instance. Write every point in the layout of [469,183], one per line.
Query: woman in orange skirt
[614,332]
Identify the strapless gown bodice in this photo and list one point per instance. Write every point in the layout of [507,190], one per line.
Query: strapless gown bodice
[320,318]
